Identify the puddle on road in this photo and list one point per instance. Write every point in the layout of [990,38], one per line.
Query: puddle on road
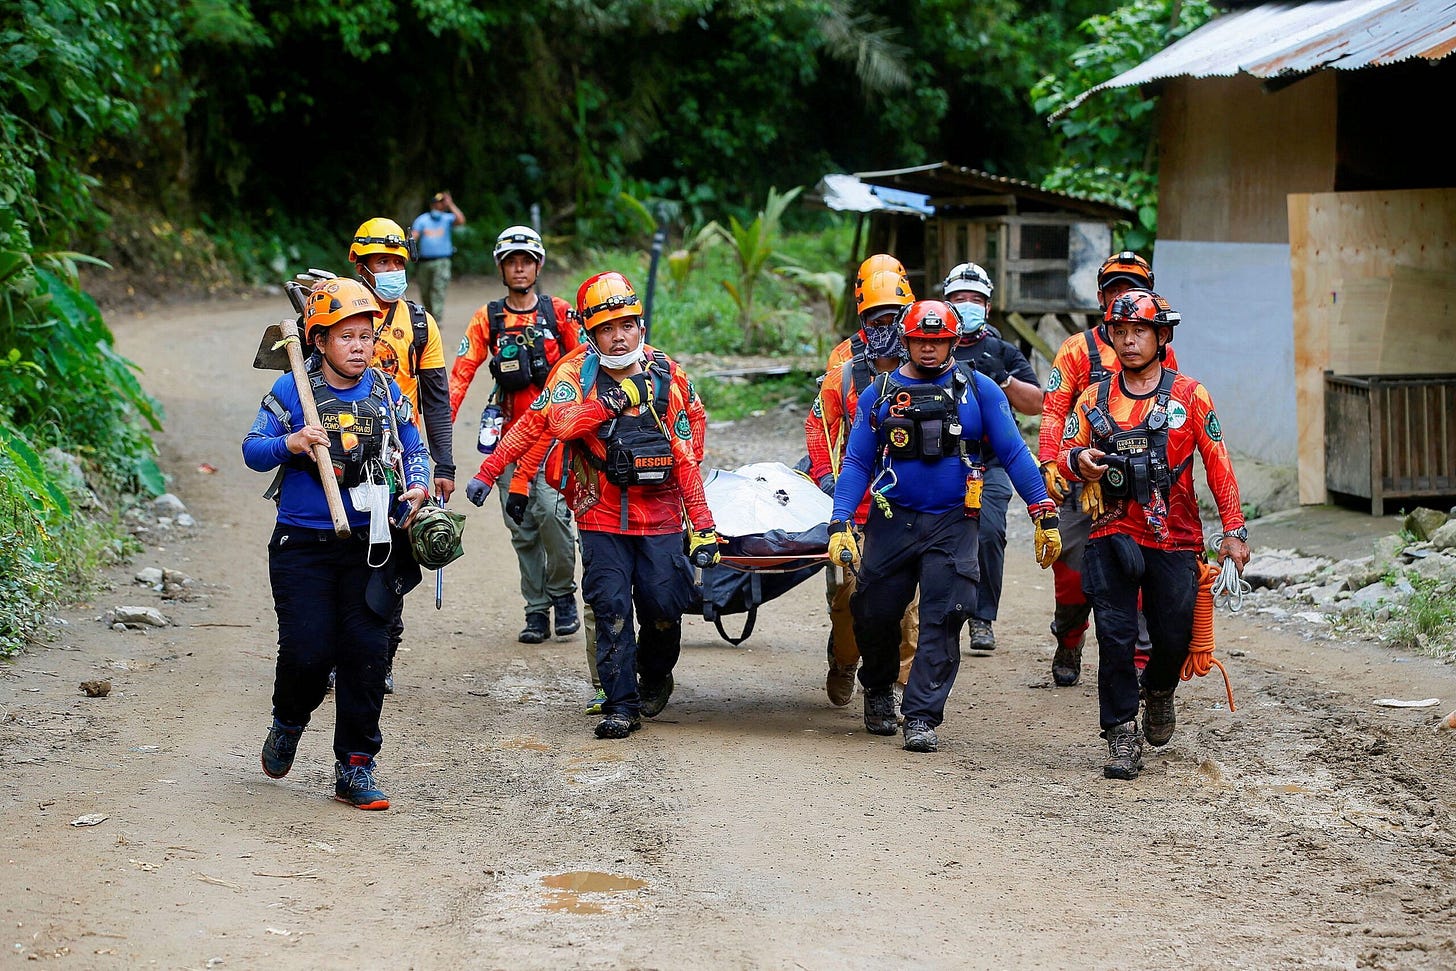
[572,885]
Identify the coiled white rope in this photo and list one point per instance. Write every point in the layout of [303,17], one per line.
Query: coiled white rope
[1229,587]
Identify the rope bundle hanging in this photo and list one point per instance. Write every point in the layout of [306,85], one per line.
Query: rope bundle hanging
[1200,650]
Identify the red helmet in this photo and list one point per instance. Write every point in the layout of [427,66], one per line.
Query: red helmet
[930,320]
[1140,306]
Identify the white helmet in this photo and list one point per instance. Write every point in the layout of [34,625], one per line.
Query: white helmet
[519,239]
[967,276]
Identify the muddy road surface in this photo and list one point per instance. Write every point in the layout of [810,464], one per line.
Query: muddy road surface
[752,825]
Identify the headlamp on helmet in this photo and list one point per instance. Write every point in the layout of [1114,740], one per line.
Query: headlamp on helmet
[929,320]
[606,296]
[380,235]
[519,239]
[1141,306]
[1125,265]
[967,278]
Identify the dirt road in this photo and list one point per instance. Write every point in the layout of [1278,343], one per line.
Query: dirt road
[751,826]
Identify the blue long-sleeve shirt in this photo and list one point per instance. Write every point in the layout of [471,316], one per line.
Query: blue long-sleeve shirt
[301,500]
[935,485]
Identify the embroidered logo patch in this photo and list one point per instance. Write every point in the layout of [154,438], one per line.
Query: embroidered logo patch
[1054,380]
[1071,426]
[563,392]
[682,427]
[542,400]
[1215,430]
[464,347]
[1177,415]
[899,437]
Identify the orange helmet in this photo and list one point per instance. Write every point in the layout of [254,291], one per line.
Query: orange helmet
[881,282]
[379,235]
[334,301]
[1126,265]
[929,320]
[1141,306]
[606,296]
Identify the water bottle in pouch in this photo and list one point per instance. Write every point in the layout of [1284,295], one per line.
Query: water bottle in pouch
[975,481]
[491,421]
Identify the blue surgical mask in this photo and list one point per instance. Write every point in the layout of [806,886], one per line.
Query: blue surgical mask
[972,318]
[389,284]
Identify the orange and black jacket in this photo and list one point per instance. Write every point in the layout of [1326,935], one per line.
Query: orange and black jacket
[826,430]
[1071,374]
[1192,424]
[575,416]
[475,349]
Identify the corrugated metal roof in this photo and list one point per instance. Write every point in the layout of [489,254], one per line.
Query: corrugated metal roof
[948,184]
[1292,38]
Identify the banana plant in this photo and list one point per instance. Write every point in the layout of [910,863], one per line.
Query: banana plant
[753,246]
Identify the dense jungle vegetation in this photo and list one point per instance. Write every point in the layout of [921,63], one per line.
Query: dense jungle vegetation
[168,149]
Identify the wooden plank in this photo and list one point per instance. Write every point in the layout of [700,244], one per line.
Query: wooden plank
[1420,329]
[1357,331]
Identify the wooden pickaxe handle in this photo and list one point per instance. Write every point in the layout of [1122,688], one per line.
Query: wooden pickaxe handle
[293,345]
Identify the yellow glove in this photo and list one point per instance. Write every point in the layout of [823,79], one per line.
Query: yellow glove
[1056,483]
[637,388]
[1092,499]
[703,547]
[1046,543]
[843,547]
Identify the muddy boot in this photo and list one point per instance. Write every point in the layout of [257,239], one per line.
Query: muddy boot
[1124,751]
[839,684]
[538,628]
[654,695]
[1067,664]
[879,711]
[568,620]
[920,737]
[1159,719]
[983,639]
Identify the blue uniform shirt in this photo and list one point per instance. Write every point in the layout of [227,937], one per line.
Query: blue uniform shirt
[934,485]
[301,499]
[434,229]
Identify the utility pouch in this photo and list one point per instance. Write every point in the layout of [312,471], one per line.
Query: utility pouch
[511,365]
[638,456]
[900,437]
[535,356]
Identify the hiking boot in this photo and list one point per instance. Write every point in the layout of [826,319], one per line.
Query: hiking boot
[1159,719]
[920,737]
[594,707]
[537,629]
[568,621]
[839,683]
[279,748]
[1124,751]
[654,695]
[354,783]
[983,639]
[879,711]
[1067,664]
[617,726]
[389,680]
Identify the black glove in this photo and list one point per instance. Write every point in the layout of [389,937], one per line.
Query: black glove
[516,507]
[476,491]
[993,369]
[614,400]
[826,483]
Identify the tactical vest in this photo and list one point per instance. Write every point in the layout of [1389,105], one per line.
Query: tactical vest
[518,354]
[638,447]
[356,429]
[923,420]
[1137,457]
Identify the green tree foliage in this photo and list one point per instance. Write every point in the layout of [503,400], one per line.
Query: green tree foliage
[1107,144]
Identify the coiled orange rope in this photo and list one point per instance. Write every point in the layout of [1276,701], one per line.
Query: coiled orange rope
[1200,650]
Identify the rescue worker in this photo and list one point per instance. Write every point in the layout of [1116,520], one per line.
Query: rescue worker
[525,448]
[968,290]
[408,349]
[881,291]
[1083,360]
[431,232]
[1130,439]
[632,479]
[335,597]
[520,338]
[914,447]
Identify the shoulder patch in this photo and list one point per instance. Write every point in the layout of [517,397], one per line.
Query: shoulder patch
[682,427]
[1177,414]
[1215,430]
[692,392]
[563,392]
[817,409]
[1071,427]
[542,400]
[464,347]
[1054,380]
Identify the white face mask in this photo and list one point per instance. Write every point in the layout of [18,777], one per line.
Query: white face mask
[617,362]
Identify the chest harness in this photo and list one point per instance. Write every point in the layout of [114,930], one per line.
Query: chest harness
[1137,457]
[520,357]
[922,422]
[363,434]
[638,448]
[1096,371]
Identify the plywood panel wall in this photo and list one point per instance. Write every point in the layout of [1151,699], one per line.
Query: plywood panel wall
[1338,243]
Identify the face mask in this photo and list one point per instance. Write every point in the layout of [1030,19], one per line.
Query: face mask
[883,342]
[390,285]
[617,362]
[972,318]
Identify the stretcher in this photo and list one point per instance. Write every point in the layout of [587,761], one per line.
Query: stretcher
[774,525]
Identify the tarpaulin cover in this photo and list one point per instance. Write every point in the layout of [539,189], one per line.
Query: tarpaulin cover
[754,499]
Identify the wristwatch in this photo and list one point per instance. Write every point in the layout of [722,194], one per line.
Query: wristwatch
[1241,534]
